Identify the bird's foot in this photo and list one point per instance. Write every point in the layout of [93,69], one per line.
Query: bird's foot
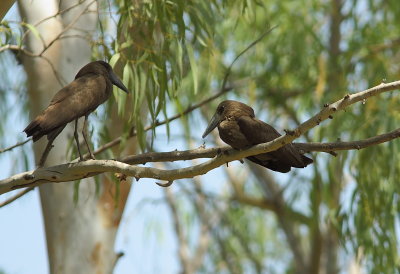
[92,156]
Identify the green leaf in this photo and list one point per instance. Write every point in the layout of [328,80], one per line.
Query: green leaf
[32,29]
[193,66]
[114,59]
[180,58]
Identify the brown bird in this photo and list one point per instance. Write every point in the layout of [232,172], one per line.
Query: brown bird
[92,87]
[239,128]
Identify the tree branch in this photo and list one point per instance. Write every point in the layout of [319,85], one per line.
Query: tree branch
[14,146]
[283,214]
[16,196]
[76,171]
[183,248]
[335,146]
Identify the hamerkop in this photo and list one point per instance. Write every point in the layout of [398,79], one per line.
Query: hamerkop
[239,128]
[92,87]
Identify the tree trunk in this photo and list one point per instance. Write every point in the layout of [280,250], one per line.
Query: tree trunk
[80,236]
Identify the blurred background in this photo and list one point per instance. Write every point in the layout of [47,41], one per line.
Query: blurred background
[339,215]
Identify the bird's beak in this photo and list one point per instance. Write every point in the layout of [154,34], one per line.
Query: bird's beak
[115,80]
[215,120]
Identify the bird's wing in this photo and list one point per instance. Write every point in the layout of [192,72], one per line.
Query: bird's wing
[77,99]
[76,87]
[272,163]
[257,132]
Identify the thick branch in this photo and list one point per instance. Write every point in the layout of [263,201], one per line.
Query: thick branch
[212,152]
[76,171]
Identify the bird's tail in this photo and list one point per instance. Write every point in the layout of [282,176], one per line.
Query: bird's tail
[34,129]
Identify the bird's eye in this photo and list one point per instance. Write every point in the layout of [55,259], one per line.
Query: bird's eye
[220,109]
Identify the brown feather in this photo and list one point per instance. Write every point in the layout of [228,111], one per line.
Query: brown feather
[239,128]
[92,86]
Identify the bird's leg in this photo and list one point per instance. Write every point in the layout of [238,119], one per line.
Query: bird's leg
[77,139]
[84,133]
[50,137]
[46,153]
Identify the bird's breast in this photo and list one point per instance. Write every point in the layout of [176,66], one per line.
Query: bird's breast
[230,133]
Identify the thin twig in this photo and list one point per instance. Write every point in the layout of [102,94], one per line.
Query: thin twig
[15,197]
[59,78]
[59,13]
[335,146]
[183,248]
[255,42]
[66,28]
[283,214]
[16,145]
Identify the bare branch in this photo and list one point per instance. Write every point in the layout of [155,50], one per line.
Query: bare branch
[283,214]
[59,13]
[15,197]
[58,37]
[202,152]
[66,28]
[60,79]
[183,248]
[14,146]
[76,171]
[17,48]
[205,227]
[255,42]
[328,147]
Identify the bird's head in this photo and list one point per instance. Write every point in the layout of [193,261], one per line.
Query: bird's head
[228,110]
[103,68]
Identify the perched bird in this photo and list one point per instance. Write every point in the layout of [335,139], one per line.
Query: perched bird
[239,128]
[92,87]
